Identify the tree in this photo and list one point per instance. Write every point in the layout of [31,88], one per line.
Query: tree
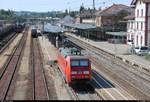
[6,15]
[82,8]
[118,20]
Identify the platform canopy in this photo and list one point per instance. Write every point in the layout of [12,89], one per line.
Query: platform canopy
[53,29]
[117,33]
[69,25]
[85,26]
[81,26]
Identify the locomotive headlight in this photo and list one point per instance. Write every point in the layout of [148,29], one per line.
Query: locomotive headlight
[86,72]
[73,72]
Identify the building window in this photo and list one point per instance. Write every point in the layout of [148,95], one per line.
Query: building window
[142,12]
[141,40]
[132,38]
[128,36]
[140,1]
[137,40]
[138,13]
[128,25]
[137,25]
[141,25]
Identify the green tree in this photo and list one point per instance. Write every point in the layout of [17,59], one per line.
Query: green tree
[81,8]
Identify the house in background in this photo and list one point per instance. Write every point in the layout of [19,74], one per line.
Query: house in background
[110,17]
[139,29]
[111,22]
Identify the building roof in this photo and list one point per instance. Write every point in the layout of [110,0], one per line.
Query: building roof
[113,10]
[134,1]
[68,19]
[81,26]
[116,33]
[84,26]
[129,17]
[53,29]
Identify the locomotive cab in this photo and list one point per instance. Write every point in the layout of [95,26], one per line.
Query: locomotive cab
[74,67]
[80,69]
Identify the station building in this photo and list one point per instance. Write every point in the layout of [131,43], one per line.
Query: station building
[138,27]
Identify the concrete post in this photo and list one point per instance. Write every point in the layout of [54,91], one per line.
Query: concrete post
[57,41]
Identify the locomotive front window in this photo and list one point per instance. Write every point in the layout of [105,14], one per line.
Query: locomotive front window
[79,63]
[74,63]
[84,63]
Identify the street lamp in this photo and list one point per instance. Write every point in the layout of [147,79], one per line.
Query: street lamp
[62,38]
[132,46]
[88,36]
[115,50]
[56,40]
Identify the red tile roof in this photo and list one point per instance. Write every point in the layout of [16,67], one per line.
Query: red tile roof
[113,10]
[131,16]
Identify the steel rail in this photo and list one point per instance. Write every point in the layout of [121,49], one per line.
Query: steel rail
[104,55]
[11,74]
[9,40]
[36,55]
[68,88]
[33,73]
[125,81]
[86,46]
[43,72]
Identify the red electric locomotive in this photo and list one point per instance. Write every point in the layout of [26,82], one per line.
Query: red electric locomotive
[74,66]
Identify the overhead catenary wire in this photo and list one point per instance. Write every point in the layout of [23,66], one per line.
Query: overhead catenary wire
[90,5]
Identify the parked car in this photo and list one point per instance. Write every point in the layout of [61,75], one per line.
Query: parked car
[141,50]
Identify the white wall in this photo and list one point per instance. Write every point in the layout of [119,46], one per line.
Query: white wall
[148,25]
[90,21]
[138,19]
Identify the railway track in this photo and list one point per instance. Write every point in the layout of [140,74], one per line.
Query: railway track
[85,92]
[79,91]
[10,68]
[100,55]
[68,88]
[107,87]
[40,86]
[7,42]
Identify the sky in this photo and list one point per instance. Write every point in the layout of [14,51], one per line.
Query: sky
[55,5]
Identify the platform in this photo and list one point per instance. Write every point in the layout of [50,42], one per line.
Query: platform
[120,50]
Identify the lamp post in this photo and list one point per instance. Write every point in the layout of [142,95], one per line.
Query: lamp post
[88,36]
[62,38]
[115,50]
[132,47]
[57,40]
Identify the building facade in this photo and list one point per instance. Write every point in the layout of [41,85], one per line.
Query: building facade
[87,16]
[130,28]
[139,28]
[109,17]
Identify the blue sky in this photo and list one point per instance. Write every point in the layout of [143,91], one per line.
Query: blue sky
[52,5]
